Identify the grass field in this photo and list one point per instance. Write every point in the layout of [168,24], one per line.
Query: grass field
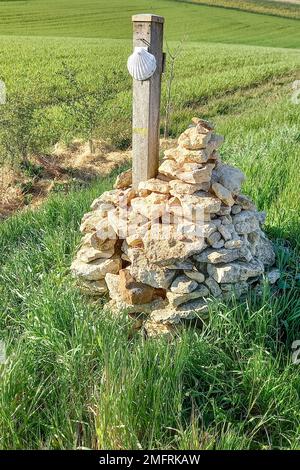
[75,377]
[283,8]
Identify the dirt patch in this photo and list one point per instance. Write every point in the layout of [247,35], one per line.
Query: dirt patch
[65,167]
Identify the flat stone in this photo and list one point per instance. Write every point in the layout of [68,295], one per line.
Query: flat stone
[169,168]
[195,275]
[236,209]
[245,202]
[230,177]
[189,311]
[180,187]
[149,273]
[152,206]
[94,288]
[177,299]
[183,285]
[118,307]
[213,287]
[235,272]
[264,251]
[203,126]
[232,244]
[124,180]
[226,231]
[223,194]
[167,251]
[97,269]
[214,238]
[238,289]
[88,254]
[224,210]
[154,185]
[217,256]
[218,244]
[245,222]
[182,155]
[192,139]
[113,285]
[195,174]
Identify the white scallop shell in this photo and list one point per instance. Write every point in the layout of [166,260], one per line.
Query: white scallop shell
[141,64]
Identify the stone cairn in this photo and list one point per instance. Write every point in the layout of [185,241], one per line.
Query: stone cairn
[164,250]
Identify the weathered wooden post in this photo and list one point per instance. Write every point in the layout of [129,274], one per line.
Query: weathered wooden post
[147,34]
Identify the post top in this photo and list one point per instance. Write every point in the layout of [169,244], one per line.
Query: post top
[148,17]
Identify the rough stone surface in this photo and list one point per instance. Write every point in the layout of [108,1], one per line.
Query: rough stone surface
[95,270]
[183,285]
[223,194]
[184,236]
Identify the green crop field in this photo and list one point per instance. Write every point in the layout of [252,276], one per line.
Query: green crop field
[76,377]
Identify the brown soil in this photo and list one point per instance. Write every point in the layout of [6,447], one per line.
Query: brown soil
[66,166]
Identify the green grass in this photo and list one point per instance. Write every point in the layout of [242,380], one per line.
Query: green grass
[76,376]
[267,7]
[100,19]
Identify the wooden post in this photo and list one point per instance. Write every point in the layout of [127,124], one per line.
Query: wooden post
[147,31]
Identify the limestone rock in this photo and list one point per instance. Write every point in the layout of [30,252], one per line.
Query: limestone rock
[94,288]
[168,168]
[88,254]
[183,285]
[213,287]
[230,177]
[96,269]
[226,231]
[124,180]
[154,185]
[238,289]
[233,244]
[156,329]
[189,311]
[236,209]
[176,299]
[113,285]
[180,187]
[195,174]
[217,256]
[192,139]
[152,206]
[245,222]
[214,238]
[195,275]
[149,273]
[168,251]
[245,202]
[235,272]
[133,292]
[264,251]
[218,244]
[223,194]
[118,306]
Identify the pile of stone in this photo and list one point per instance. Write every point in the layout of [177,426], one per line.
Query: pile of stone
[187,236]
